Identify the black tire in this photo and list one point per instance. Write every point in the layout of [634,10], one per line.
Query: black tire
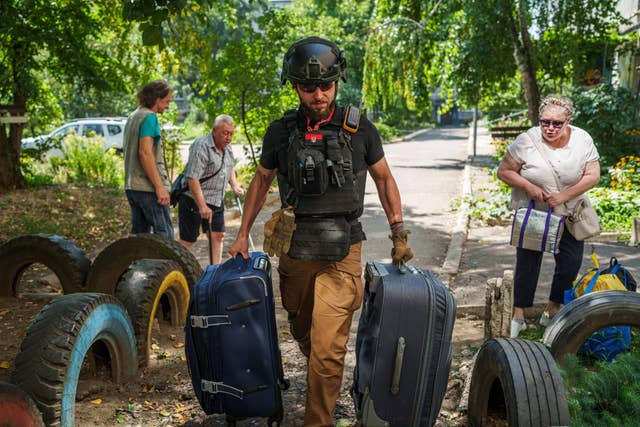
[53,352]
[579,319]
[17,409]
[522,376]
[63,257]
[113,261]
[147,285]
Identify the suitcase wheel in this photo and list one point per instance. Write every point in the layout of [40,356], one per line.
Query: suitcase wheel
[274,422]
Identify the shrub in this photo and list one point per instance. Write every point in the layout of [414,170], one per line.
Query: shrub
[625,175]
[606,394]
[86,163]
[34,171]
[386,132]
[616,208]
[171,137]
[608,114]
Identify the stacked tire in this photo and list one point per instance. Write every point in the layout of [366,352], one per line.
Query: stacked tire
[62,256]
[106,315]
[114,260]
[150,289]
[151,275]
[52,354]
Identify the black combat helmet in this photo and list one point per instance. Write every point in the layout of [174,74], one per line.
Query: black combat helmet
[314,60]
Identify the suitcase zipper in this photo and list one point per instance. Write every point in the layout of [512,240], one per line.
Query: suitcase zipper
[425,355]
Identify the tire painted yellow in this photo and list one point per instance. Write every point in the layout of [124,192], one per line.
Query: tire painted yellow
[143,288]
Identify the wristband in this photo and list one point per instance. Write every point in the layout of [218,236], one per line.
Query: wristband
[396,228]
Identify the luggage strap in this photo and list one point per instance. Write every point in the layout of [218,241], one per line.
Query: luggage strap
[206,321]
[215,387]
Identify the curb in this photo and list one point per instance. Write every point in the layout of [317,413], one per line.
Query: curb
[451,262]
[409,136]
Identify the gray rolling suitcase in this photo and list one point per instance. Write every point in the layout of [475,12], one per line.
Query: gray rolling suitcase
[403,347]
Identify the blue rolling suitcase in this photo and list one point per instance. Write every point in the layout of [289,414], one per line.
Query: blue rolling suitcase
[231,341]
[403,347]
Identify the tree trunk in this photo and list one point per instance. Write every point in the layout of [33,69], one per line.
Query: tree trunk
[523,53]
[10,174]
[244,127]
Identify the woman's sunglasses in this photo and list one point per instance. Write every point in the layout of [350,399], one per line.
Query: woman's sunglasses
[310,88]
[555,123]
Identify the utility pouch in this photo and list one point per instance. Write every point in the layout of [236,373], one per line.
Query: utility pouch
[310,175]
[324,239]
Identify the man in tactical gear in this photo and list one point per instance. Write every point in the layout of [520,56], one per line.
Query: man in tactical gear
[320,154]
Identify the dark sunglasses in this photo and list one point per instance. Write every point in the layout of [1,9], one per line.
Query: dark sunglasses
[555,123]
[310,88]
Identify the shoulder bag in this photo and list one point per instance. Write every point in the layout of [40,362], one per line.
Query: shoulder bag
[179,185]
[583,222]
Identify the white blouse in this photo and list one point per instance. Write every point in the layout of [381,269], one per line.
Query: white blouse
[568,163]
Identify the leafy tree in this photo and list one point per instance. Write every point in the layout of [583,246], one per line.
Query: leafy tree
[45,45]
[473,48]
[608,114]
[400,50]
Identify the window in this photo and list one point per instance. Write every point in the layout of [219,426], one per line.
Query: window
[114,129]
[92,129]
[64,131]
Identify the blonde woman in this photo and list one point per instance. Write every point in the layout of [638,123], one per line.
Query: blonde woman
[572,157]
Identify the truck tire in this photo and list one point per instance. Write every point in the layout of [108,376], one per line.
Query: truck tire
[147,285]
[522,376]
[17,408]
[63,257]
[578,320]
[113,261]
[52,353]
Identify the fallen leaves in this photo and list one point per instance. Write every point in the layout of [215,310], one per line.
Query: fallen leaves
[30,210]
[96,401]
[5,365]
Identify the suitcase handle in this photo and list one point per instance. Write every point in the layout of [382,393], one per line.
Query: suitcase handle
[397,370]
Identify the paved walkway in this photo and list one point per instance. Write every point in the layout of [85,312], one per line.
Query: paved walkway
[434,169]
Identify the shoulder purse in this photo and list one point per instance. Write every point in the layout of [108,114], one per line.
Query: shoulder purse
[583,222]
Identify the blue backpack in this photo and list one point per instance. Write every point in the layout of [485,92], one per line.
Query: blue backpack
[608,342]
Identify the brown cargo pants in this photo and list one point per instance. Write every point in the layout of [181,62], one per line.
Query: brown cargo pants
[321,297]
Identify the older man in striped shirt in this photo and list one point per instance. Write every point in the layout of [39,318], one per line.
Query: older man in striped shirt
[209,168]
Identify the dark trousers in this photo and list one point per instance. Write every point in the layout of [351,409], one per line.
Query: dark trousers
[528,262]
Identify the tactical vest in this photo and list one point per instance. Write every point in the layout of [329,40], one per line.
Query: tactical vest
[320,179]
[321,185]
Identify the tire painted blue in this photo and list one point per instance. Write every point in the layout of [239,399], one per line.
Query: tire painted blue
[108,323]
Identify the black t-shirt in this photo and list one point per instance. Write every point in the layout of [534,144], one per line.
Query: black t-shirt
[366,143]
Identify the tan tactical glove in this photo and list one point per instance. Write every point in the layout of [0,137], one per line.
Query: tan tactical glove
[401,252]
[278,232]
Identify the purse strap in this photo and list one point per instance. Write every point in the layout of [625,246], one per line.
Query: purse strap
[534,138]
[207,178]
